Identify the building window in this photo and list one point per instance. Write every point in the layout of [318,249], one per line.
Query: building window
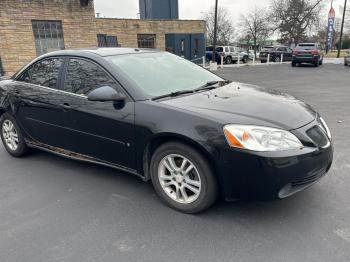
[107,40]
[183,47]
[146,41]
[196,47]
[2,71]
[48,36]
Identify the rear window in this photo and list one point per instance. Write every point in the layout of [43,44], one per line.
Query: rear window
[306,47]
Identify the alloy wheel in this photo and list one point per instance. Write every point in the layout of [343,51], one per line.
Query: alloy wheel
[10,135]
[179,178]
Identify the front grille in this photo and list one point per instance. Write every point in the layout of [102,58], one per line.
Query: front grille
[318,136]
[311,178]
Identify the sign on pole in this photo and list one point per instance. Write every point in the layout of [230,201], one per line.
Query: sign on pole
[330,30]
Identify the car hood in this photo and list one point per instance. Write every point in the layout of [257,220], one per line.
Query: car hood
[238,103]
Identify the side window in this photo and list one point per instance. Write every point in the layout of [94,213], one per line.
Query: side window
[44,73]
[83,76]
[227,50]
[232,49]
[219,49]
[289,50]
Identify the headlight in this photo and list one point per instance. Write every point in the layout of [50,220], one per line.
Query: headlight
[325,128]
[260,138]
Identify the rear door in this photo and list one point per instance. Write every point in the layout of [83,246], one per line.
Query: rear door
[288,55]
[102,130]
[39,109]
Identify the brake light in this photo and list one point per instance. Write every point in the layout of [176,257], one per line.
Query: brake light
[314,52]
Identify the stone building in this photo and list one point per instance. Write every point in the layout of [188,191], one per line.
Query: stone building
[29,28]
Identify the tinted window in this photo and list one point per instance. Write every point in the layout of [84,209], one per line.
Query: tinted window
[227,50]
[306,47]
[282,49]
[83,76]
[219,49]
[232,49]
[44,73]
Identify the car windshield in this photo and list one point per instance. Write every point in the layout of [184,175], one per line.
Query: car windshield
[267,48]
[306,47]
[161,73]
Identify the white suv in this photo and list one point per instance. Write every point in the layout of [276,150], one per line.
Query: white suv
[231,54]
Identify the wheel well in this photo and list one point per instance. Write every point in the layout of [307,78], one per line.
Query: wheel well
[2,111]
[158,141]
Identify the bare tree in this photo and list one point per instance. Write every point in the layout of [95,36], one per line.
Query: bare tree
[225,29]
[295,19]
[256,26]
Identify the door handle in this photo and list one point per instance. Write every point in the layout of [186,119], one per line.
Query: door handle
[66,105]
[17,92]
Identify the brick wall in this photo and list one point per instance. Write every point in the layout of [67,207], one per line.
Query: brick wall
[80,28]
[126,30]
[17,45]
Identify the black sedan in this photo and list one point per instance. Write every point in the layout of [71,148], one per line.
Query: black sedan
[155,115]
[277,54]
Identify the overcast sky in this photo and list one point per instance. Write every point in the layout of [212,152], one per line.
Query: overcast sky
[188,9]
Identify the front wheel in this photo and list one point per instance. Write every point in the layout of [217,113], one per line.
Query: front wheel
[182,178]
[12,137]
[228,60]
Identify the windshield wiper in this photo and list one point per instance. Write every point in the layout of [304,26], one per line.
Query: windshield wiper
[173,94]
[207,86]
[211,85]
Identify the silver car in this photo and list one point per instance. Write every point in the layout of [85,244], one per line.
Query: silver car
[347,60]
[232,54]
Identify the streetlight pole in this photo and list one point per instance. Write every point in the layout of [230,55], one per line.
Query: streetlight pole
[341,30]
[215,30]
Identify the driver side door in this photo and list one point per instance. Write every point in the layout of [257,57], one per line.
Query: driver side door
[102,130]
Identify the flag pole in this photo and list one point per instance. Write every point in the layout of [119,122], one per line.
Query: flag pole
[215,30]
[341,30]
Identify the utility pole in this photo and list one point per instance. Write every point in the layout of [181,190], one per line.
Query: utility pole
[341,30]
[215,30]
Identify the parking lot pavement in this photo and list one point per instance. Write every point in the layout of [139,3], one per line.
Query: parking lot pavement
[55,209]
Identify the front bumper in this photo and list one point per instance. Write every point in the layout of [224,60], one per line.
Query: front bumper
[272,175]
[305,59]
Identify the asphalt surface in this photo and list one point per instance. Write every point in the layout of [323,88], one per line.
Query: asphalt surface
[55,209]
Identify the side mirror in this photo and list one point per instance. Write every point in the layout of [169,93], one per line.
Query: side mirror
[106,93]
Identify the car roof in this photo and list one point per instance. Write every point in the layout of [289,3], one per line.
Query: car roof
[105,51]
[307,44]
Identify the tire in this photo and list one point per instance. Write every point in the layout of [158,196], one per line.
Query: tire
[228,60]
[316,64]
[263,61]
[14,142]
[320,62]
[170,188]
[244,60]
[277,59]
[294,64]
